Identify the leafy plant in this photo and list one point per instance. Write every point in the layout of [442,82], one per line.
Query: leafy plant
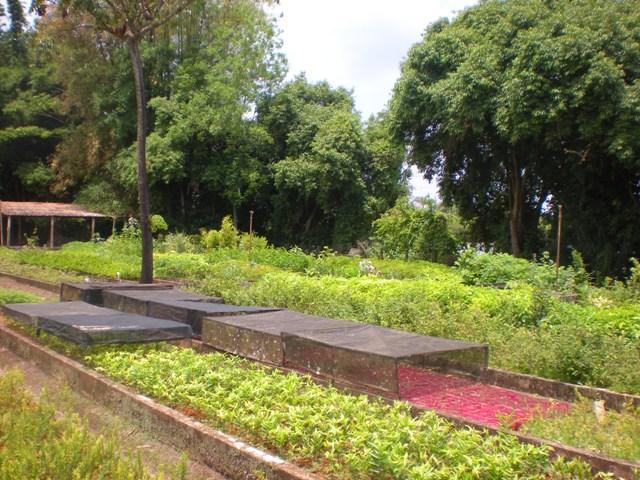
[616,434]
[38,441]
[16,296]
[158,224]
[341,435]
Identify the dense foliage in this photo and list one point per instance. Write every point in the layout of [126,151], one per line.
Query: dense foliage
[41,441]
[30,124]
[342,435]
[414,231]
[519,106]
[564,329]
[225,136]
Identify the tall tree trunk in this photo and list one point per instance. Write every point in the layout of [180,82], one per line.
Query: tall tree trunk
[146,270]
[516,201]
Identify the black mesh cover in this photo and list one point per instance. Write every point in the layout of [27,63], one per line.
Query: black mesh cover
[87,324]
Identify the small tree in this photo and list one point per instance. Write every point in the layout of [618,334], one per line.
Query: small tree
[415,231]
[128,21]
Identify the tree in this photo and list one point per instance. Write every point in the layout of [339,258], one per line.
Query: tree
[517,103]
[30,120]
[130,22]
[320,165]
[415,231]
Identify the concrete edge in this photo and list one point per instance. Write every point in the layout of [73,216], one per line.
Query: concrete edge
[557,389]
[230,456]
[48,286]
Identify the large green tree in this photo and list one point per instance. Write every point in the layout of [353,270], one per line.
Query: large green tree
[30,119]
[517,105]
[331,177]
[129,22]
[204,69]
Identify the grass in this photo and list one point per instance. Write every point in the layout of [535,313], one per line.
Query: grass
[10,262]
[8,295]
[616,435]
[38,441]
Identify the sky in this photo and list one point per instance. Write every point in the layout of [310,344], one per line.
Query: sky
[359,44]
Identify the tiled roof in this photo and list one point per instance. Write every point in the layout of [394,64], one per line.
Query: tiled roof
[45,209]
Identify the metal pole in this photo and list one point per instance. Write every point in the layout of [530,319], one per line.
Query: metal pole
[559,241]
[52,226]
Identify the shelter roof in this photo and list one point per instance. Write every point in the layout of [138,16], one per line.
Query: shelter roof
[46,209]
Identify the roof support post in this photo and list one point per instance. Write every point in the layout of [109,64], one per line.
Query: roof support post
[93,228]
[52,227]
[1,229]
[9,231]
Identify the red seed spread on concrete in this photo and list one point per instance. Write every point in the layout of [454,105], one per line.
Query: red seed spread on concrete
[472,400]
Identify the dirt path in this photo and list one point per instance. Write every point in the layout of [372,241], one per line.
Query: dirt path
[99,418]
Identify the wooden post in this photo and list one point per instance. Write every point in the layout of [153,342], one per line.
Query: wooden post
[250,229]
[113,226]
[1,229]
[559,241]
[9,231]
[20,231]
[52,226]
[93,228]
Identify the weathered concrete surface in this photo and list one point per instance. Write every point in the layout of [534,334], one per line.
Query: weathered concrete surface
[224,453]
[86,324]
[370,355]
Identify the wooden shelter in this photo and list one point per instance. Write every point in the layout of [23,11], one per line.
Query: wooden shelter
[42,209]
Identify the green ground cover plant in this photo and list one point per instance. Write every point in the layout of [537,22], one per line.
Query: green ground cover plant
[616,434]
[617,437]
[341,435]
[9,295]
[38,441]
[529,326]
[10,262]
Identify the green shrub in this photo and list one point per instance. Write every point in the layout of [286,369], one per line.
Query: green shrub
[256,242]
[226,237]
[487,268]
[409,231]
[177,243]
[158,224]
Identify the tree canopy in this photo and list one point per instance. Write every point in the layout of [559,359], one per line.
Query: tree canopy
[521,105]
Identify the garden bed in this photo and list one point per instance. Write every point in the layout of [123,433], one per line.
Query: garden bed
[175,376]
